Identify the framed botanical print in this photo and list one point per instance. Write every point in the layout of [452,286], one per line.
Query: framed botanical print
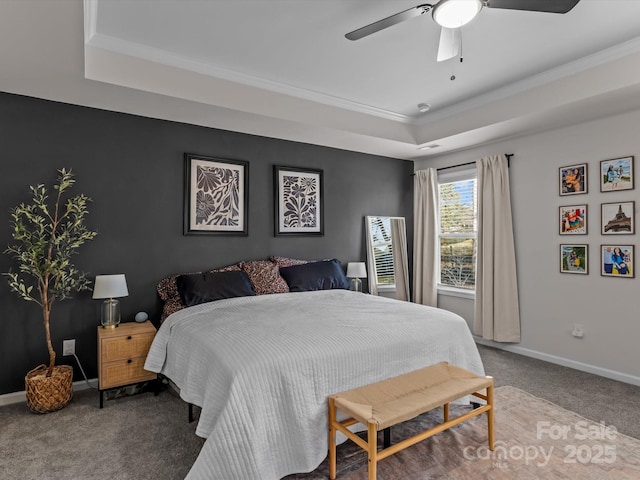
[573,220]
[216,196]
[616,174]
[299,206]
[573,179]
[617,261]
[574,259]
[618,218]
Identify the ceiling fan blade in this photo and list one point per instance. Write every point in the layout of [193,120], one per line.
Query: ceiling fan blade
[555,6]
[449,46]
[388,22]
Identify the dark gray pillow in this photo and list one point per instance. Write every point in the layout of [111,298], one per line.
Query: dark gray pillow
[325,275]
[204,287]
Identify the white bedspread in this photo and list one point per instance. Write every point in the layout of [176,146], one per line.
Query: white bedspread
[262,367]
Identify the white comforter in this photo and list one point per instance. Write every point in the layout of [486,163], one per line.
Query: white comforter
[261,369]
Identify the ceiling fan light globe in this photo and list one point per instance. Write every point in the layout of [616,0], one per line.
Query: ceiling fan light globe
[456,13]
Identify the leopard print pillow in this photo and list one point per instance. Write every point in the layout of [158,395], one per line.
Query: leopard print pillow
[265,277]
[282,262]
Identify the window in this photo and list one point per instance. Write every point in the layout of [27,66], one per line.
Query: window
[458,229]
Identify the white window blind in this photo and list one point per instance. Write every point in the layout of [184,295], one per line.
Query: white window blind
[458,228]
[382,250]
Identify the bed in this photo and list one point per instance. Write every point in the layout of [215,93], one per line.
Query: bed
[261,367]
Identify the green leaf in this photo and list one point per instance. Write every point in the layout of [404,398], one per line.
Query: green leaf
[46,233]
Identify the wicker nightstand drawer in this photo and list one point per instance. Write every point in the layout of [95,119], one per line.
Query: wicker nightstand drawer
[124,372]
[126,346]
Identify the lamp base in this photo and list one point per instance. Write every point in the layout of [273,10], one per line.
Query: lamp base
[110,313]
[355,285]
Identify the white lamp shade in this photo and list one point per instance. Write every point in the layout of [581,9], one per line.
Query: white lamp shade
[110,286]
[456,13]
[356,270]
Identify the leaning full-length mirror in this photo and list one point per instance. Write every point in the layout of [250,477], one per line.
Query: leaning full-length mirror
[387,257]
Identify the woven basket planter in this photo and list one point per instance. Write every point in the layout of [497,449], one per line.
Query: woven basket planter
[48,394]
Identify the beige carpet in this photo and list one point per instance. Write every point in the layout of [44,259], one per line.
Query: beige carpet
[145,437]
[535,439]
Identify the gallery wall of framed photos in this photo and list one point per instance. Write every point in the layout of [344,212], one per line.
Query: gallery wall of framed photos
[615,252]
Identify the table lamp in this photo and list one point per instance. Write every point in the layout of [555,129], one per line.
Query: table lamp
[356,271]
[110,287]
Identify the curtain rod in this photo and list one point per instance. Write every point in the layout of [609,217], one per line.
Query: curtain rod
[508,155]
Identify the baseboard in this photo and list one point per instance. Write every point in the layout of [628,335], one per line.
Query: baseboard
[565,362]
[18,397]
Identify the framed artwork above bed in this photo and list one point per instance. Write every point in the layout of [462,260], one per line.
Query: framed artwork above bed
[299,208]
[216,196]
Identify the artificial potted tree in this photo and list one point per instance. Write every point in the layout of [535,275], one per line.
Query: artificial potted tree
[46,236]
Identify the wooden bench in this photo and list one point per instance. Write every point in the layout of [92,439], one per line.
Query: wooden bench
[386,403]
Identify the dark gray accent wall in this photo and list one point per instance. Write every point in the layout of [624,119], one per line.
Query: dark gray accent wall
[132,168]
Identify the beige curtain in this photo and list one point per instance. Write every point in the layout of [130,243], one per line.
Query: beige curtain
[399,238]
[497,313]
[425,237]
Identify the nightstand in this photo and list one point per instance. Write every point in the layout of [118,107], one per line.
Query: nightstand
[122,352]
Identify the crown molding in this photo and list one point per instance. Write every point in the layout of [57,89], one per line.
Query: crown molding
[577,66]
[150,54]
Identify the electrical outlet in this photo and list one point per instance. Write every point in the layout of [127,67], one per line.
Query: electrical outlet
[68,347]
[578,330]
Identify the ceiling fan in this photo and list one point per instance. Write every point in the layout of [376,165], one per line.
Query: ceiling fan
[453,14]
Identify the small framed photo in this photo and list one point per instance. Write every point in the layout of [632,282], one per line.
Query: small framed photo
[573,220]
[573,179]
[299,206]
[216,196]
[574,259]
[617,261]
[616,174]
[618,218]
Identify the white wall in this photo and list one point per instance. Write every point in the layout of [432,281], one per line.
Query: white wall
[551,302]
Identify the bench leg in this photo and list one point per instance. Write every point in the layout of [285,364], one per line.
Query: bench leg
[372,454]
[332,439]
[445,412]
[490,417]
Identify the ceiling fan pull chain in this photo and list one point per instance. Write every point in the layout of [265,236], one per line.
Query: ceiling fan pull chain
[453,64]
